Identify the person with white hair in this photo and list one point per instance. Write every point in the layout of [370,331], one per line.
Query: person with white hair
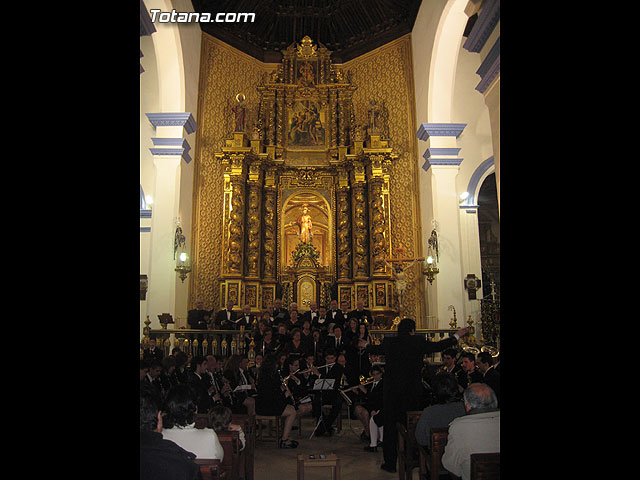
[478,431]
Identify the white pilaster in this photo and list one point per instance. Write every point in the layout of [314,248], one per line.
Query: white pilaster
[442,166]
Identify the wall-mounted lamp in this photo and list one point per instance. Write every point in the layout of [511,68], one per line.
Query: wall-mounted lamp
[183,265]
[431,270]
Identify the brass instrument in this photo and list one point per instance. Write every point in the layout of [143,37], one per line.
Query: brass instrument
[363,381]
[493,351]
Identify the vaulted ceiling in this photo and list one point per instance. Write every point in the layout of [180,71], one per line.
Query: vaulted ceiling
[349,28]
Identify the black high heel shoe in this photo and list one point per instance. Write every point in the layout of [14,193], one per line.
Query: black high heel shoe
[288,444]
[370,449]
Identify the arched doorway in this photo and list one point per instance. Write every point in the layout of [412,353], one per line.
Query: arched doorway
[489,232]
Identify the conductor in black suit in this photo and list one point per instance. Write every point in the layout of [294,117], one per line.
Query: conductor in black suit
[404,354]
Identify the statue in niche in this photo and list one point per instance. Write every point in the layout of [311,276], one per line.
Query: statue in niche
[305,225]
[374,118]
[239,111]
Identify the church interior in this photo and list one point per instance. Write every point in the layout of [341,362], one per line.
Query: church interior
[327,151]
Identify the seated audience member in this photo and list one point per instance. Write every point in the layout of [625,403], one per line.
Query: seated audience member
[179,425]
[161,459]
[448,406]
[478,431]
[220,420]
[490,375]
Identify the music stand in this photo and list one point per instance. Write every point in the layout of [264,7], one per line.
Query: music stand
[321,385]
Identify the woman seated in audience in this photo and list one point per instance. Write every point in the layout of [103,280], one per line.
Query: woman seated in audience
[220,420]
[178,425]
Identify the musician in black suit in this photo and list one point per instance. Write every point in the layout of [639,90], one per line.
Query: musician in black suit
[369,412]
[153,352]
[312,314]
[490,375]
[201,385]
[226,319]
[328,397]
[246,319]
[404,354]
[153,377]
[335,315]
[279,314]
[361,313]
[338,341]
[197,317]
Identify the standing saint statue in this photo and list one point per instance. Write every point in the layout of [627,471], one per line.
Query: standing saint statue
[304,224]
[239,111]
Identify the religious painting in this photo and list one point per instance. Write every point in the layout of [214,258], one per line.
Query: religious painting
[306,73]
[381,294]
[306,124]
[251,296]
[344,294]
[233,293]
[362,295]
[268,294]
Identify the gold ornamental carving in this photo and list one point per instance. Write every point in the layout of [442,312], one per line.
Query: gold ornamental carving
[313,131]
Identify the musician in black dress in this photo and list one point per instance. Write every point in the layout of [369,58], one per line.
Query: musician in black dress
[271,399]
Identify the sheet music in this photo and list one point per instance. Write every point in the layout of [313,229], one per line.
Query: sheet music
[324,384]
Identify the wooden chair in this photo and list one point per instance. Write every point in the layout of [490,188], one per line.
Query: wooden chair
[274,425]
[485,466]
[211,469]
[431,459]
[408,456]
[331,460]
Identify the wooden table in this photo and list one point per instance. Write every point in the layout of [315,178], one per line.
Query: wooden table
[331,460]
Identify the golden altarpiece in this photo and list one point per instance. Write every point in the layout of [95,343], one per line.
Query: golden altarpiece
[306,206]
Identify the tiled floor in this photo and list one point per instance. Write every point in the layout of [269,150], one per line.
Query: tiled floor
[272,463]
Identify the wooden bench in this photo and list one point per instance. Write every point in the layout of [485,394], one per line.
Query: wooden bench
[211,469]
[236,463]
[485,466]
[248,424]
[230,442]
[431,458]
[408,456]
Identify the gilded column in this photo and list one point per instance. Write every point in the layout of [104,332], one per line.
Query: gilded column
[253,221]
[378,227]
[279,105]
[360,223]
[334,119]
[269,244]
[236,226]
[343,227]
